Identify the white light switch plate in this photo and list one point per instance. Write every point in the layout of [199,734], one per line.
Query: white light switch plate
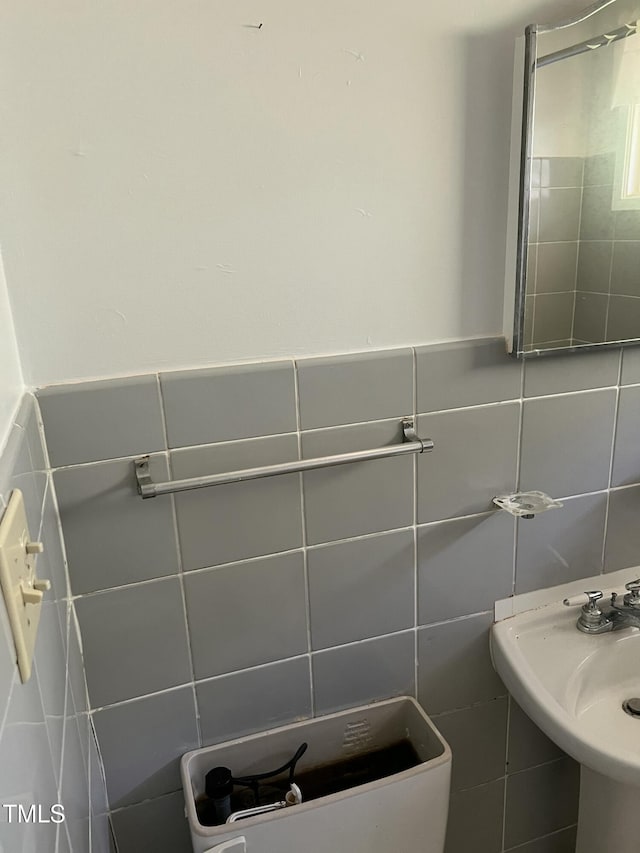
[22,591]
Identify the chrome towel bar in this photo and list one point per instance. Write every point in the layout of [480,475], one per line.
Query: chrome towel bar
[148,489]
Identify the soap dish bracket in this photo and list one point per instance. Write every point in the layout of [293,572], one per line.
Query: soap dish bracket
[526,504]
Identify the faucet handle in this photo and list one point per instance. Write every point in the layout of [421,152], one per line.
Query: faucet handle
[594,597]
[632,599]
[588,599]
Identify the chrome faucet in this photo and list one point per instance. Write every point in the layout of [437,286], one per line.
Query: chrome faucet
[611,616]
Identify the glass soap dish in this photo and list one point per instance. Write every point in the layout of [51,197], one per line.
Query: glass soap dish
[526,504]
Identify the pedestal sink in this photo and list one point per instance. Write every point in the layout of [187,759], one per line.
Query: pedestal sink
[573,686]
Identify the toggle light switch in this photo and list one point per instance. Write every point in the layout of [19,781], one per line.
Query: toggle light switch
[23,591]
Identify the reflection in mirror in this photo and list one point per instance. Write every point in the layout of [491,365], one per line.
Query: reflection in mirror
[578,261]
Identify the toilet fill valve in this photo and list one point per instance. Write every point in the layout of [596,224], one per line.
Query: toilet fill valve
[255,795]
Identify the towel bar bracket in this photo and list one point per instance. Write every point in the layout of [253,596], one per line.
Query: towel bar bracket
[411,443]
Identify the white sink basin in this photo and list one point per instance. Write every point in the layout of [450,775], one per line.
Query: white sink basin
[572,685]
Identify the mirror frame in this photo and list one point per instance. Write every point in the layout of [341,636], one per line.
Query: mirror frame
[520,184]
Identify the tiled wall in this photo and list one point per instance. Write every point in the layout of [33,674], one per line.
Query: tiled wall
[227,610]
[608,285]
[583,265]
[48,752]
[552,259]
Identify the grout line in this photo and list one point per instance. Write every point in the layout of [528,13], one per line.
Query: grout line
[609,294]
[540,838]
[611,460]
[67,696]
[261,666]
[491,404]
[305,552]
[487,513]
[458,619]
[575,277]
[180,575]
[183,686]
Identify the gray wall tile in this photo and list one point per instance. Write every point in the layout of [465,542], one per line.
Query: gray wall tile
[227,403]
[559,214]
[355,388]
[477,737]
[7,660]
[464,566]
[12,459]
[112,536]
[534,215]
[560,842]
[598,170]
[541,800]
[594,266]
[51,561]
[623,531]
[486,804]
[101,420]
[229,707]
[630,365]
[589,323]
[77,678]
[623,321]
[353,500]
[139,764]
[158,825]
[474,459]
[566,443]
[134,641]
[626,457]
[536,171]
[561,171]
[527,745]
[557,267]
[246,614]
[529,305]
[561,545]
[34,721]
[361,589]
[350,596]
[74,791]
[597,221]
[553,317]
[363,672]
[625,272]
[19,474]
[570,372]
[27,418]
[466,373]
[50,661]
[454,665]
[627,224]
[240,520]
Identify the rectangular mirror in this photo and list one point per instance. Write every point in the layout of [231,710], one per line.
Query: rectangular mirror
[573,258]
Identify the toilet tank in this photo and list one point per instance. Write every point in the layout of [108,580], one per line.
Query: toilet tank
[401,813]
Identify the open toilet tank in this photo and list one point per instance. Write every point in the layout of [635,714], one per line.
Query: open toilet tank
[404,813]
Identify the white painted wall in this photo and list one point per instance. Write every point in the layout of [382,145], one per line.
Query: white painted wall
[562,108]
[182,188]
[11,384]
